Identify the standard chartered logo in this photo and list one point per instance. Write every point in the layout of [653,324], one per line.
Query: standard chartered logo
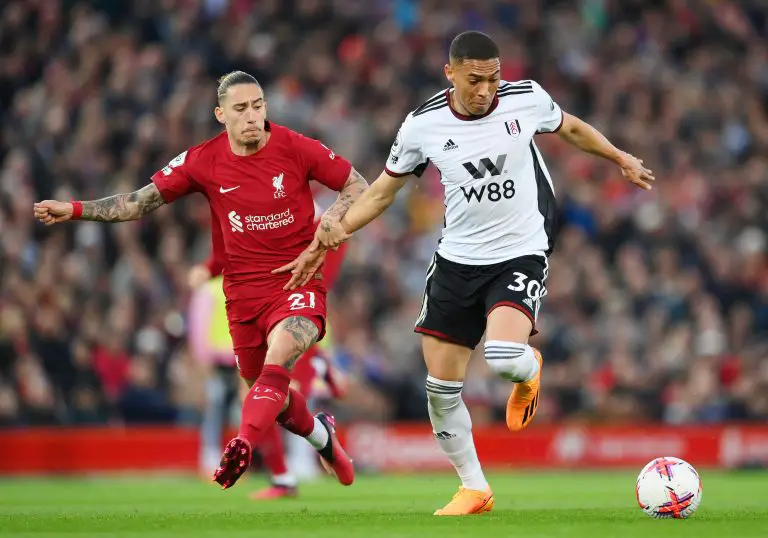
[235,222]
[260,222]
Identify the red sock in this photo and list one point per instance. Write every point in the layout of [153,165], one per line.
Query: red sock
[272,451]
[263,403]
[297,418]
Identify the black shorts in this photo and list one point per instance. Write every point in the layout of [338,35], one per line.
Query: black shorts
[458,297]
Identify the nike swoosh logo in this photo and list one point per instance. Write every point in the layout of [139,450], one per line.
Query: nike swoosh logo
[264,398]
[222,190]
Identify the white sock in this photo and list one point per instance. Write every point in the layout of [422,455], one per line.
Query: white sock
[511,361]
[319,436]
[452,427]
[286,480]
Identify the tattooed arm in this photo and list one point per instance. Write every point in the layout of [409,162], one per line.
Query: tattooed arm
[358,211]
[351,191]
[122,207]
[307,264]
[368,205]
[291,338]
[117,208]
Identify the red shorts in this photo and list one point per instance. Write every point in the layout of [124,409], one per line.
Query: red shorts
[249,338]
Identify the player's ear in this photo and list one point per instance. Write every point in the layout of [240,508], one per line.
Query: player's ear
[219,113]
[448,72]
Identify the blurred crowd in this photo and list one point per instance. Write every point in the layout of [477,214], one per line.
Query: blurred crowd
[657,305]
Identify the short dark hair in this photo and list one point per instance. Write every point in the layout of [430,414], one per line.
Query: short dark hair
[472,45]
[233,78]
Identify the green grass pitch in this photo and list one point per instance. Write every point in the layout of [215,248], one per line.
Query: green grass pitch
[529,504]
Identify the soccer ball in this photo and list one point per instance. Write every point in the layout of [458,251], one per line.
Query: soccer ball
[668,488]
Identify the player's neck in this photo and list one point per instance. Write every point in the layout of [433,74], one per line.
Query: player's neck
[457,105]
[244,151]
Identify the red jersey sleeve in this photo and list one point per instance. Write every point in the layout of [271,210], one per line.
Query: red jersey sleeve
[177,179]
[217,260]
[322,164]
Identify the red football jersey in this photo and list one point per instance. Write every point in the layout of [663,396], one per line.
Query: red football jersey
[261,205]
[331,268]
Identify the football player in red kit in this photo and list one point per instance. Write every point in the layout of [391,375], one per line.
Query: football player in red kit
[311,366]
[255,176]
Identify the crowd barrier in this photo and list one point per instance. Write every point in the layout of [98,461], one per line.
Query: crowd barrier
[393,447]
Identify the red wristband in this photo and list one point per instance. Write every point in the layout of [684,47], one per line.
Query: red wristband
[77,209]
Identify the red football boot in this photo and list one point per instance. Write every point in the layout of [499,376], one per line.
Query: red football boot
[333,458]
[275,491]
[234,462]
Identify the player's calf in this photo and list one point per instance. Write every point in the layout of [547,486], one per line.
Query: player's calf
[452,427]
[264,402]
[521,364]
[270,400]
[511,361]
[268,397]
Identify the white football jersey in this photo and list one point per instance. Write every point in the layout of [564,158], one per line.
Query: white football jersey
[499,197]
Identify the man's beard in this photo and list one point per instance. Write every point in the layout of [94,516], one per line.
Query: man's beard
[252,143]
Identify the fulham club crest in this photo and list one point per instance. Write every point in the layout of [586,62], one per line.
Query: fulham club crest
[513,128]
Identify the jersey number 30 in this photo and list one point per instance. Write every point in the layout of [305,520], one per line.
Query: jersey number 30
[532,289]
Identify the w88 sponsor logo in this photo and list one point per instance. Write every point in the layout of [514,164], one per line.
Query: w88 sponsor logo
[493,192]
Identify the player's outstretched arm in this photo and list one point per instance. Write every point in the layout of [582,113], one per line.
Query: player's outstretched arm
[370,204]
[351,191]
[585,137]
[117,208]
[329,231]
[373,202]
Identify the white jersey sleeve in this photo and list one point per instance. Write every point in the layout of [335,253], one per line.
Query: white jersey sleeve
[548,113]
[406,156]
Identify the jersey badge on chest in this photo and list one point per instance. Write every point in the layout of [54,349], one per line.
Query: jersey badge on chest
[513,128]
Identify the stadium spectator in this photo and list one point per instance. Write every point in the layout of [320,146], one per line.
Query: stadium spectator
[660,303]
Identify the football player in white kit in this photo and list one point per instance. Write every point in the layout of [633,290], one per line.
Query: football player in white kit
[488,274]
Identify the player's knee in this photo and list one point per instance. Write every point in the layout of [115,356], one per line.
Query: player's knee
[283,351]
[445,360]
[290,339]
[511,360]
[278,358]
[443,396]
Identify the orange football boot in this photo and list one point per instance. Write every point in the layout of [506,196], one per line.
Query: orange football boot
[522,403]
[467,502]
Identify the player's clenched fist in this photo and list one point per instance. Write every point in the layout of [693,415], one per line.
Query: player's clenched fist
[330,234]
[51,211]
